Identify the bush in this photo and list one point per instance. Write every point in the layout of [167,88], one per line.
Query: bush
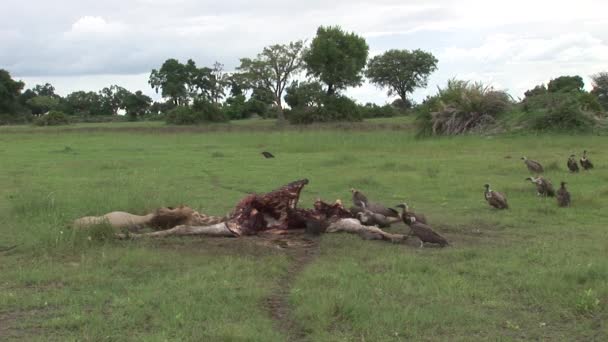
[52,118]
[15,119]
[372,110]
[334,108]
[559,112]
[183,116]
[462,107]
[200,112]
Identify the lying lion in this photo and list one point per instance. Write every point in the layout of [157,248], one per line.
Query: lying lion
[160,219]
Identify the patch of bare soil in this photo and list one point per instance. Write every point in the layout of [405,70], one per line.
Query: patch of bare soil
[302,250]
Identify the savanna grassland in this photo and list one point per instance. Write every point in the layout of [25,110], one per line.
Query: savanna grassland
[533,272]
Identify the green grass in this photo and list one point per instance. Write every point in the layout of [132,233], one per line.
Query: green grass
[533,272]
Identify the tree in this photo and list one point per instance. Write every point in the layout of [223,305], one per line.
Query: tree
[566,83]
[272,69]
[171,79]
[112,99]
[305,94]
[9,92]
[45,90]
[401,71]
[336,58]
[42,104]
[136,104]
[600,88]
[83,103]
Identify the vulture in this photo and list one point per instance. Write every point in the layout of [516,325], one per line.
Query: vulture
[367,218]
[543,186]
[572,165]
[267,155]
[407,213]
[424,232]
[360,200]
[563,196]
[495,199]
[533,166]
[586,163]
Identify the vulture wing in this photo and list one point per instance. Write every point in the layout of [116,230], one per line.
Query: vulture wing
[426,234]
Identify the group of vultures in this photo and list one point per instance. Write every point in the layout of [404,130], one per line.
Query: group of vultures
[375,214]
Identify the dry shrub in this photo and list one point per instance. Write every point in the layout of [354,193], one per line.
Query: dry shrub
[462,107]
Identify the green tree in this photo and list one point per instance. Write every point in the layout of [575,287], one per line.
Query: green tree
[272,69]
[566,83]
[600,88]
[336,58]
[45,90]
[172,79]
[9,92]
[112,99]
[42,104]
[305,94]
[401,71]
[83,103]
[136,104]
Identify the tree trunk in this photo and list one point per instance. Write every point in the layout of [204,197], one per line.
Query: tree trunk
[280,114]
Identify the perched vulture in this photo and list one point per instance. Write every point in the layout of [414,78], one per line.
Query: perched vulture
[360,200]
[495,199]
[563,196]
[407,213]
[368,218]
[533,166]
[572,164]
[424,232]
[267,155]
[586,163]
[543,186]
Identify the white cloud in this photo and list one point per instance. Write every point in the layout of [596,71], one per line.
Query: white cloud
[95,25]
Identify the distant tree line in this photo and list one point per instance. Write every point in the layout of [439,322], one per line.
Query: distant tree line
[309,78]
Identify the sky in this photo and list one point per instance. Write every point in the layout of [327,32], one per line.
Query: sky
[512,45]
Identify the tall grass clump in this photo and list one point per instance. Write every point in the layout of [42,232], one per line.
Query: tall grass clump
[462,107]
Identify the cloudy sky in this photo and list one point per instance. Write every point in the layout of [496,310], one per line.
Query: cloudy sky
[513,45]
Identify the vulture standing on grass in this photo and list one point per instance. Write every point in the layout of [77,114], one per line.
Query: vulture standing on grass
[495,199]
[563,196]
[407,213]
[586,163]
[360,200]
[533,166]
[424,232]
[543,186]
[267,155]
[572,165]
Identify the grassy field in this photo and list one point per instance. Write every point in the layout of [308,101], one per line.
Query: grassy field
[534,272]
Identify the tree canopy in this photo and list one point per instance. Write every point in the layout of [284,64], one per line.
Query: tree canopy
[273,68]
[336,58]
[566,83]
[401,71]
[600,88]
[9,92]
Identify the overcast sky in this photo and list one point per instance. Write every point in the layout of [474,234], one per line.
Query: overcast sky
[513,45]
